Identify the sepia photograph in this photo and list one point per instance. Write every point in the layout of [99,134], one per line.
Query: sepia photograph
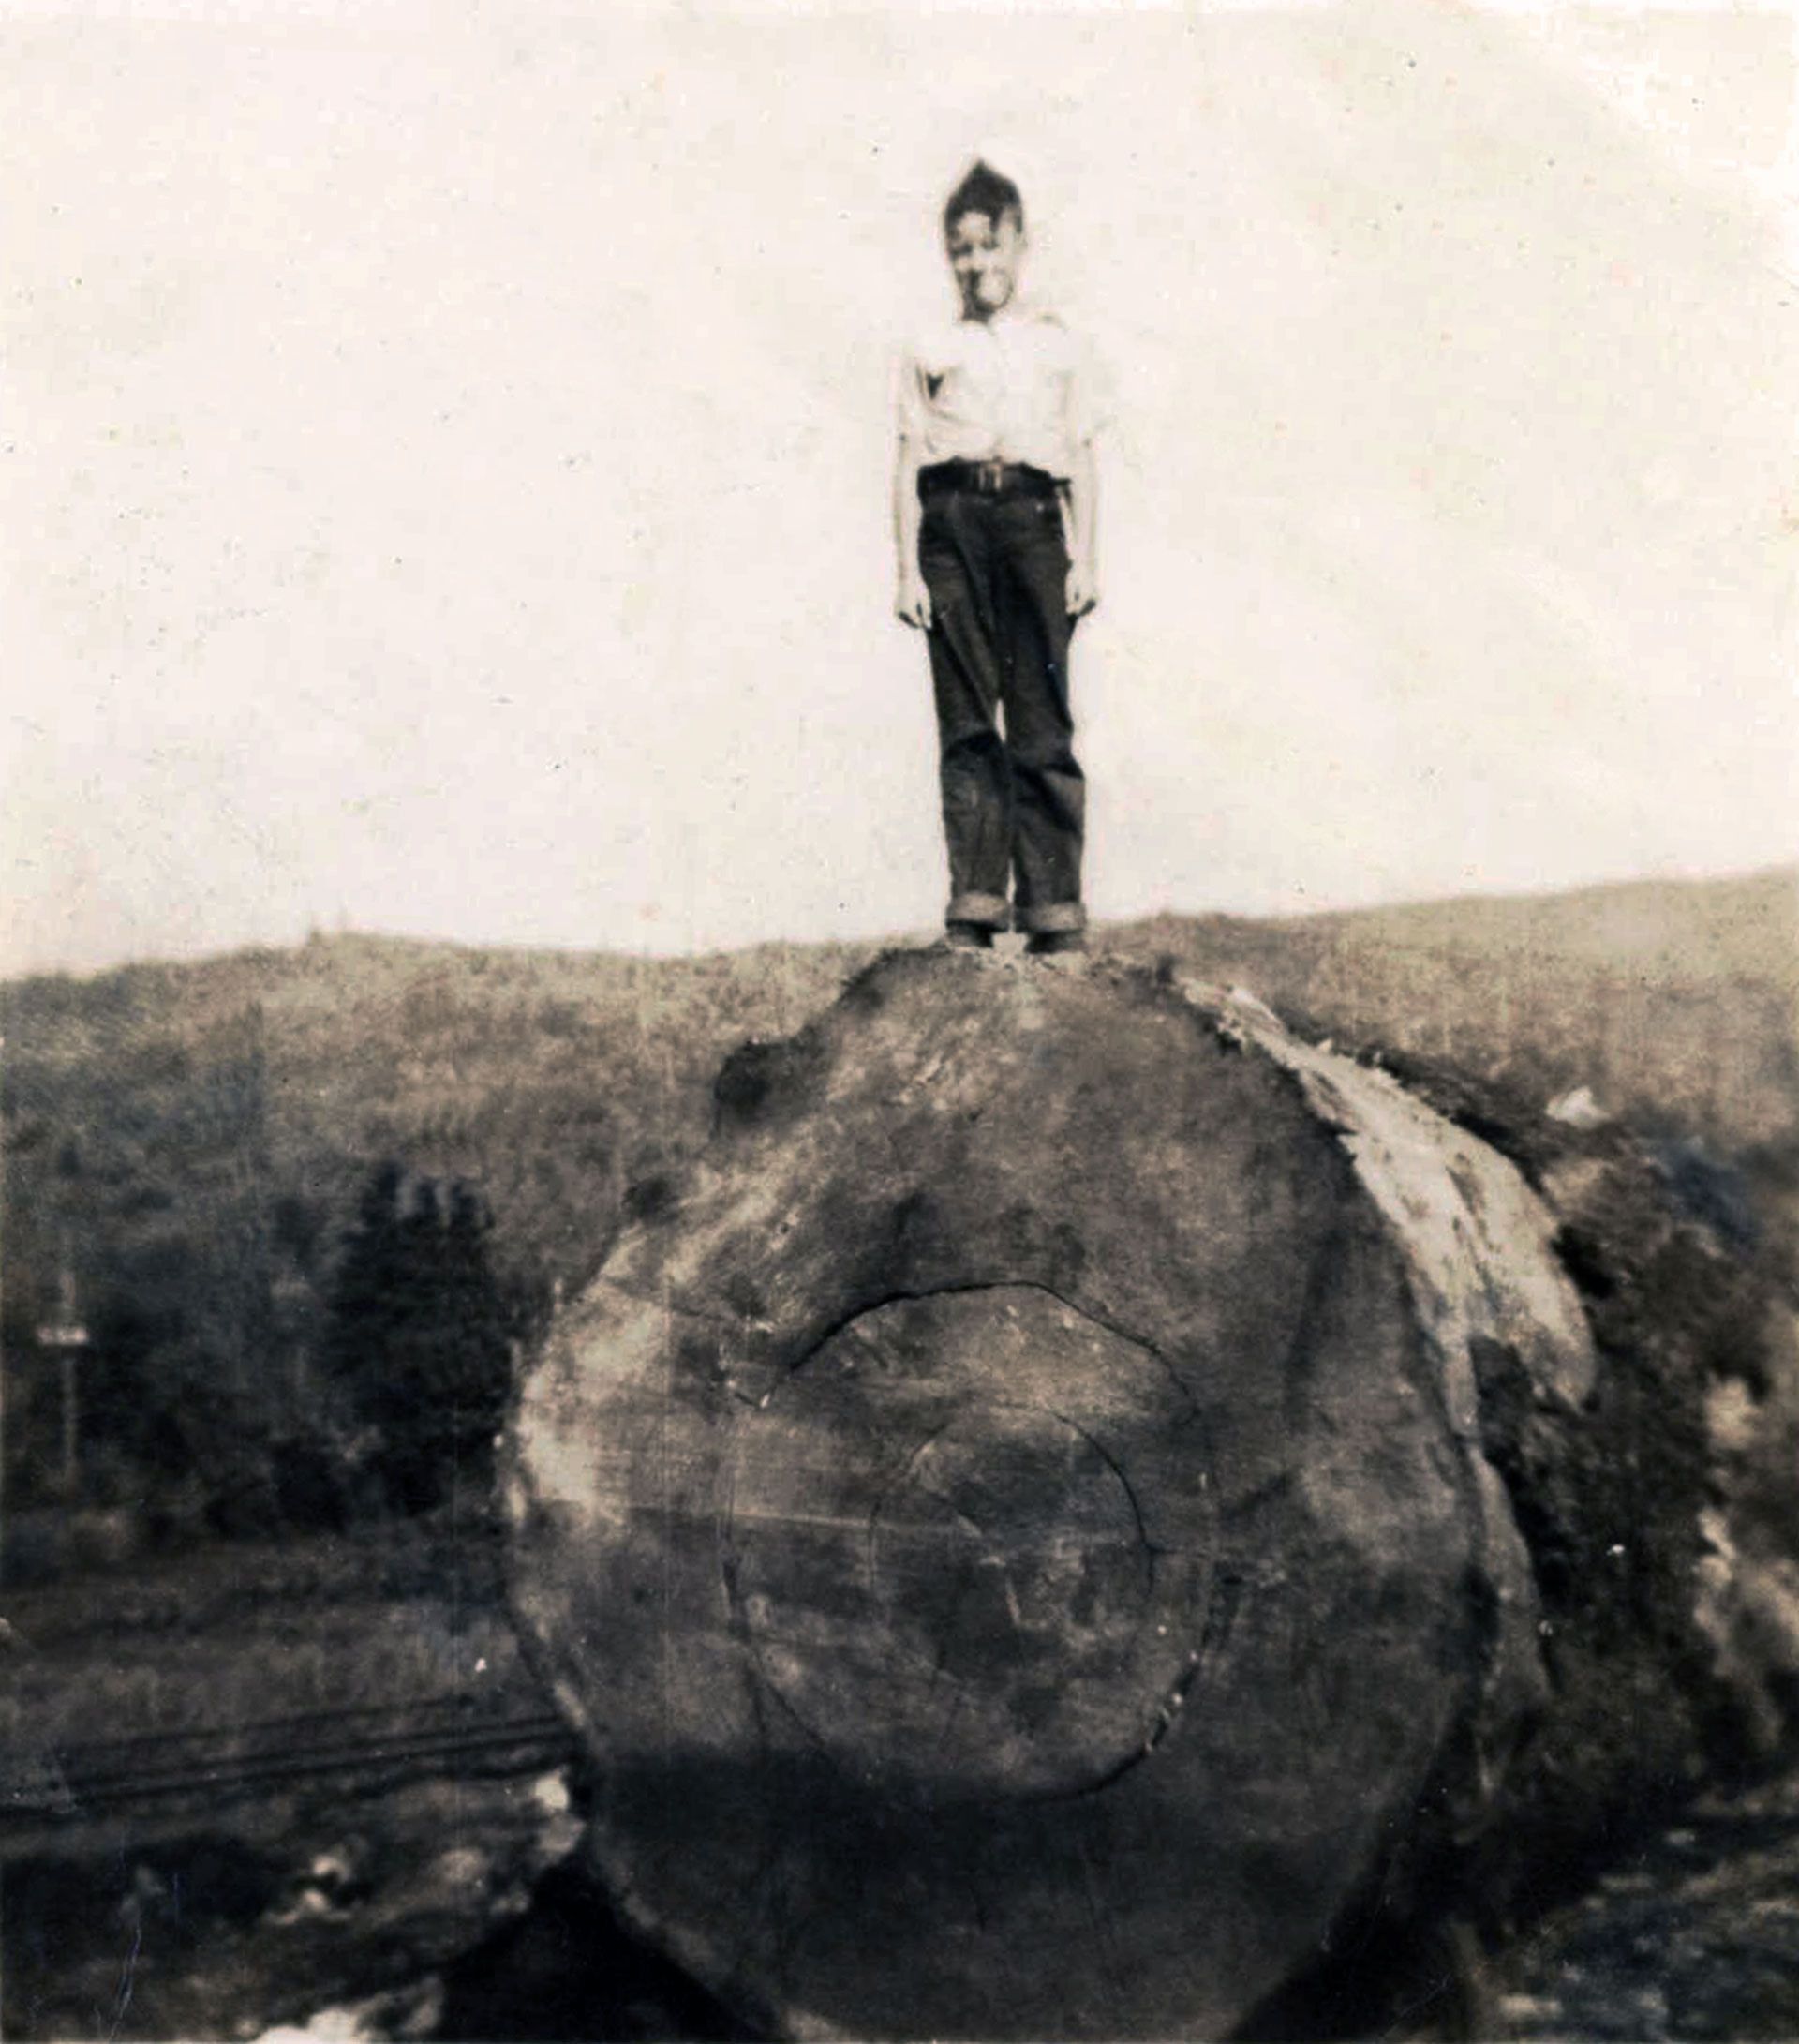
[900,988]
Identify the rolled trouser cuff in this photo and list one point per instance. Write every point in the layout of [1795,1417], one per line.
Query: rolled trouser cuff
[1051,916]
[988,911]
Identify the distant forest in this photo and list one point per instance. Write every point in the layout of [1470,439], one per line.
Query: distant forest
[277,1225]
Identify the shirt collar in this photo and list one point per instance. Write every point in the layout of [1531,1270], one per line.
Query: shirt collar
[1019,312]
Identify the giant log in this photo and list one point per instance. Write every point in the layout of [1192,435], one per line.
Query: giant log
[1076,1491]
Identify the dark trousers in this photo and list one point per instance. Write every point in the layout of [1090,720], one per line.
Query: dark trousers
[1014,801]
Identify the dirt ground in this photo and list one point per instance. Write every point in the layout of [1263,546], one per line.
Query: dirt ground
[1693,1935]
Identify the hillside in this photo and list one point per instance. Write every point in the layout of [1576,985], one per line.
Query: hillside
[1675,1002]
[191,1142]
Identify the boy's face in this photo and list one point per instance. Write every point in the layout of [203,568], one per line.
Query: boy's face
[985,254]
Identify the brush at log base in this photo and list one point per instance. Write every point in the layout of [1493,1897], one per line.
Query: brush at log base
[1014,1530]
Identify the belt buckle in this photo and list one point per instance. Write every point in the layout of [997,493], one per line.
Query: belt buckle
[990,476]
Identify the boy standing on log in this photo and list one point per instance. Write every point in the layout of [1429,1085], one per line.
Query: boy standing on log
[993,512]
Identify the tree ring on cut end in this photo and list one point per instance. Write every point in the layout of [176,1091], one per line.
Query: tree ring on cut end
[940,1556]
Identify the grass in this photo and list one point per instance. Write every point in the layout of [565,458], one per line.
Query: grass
[236,1634]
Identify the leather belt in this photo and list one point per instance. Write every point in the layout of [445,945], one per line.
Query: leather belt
[987,479]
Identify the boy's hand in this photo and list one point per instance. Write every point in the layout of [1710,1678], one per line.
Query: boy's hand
[912,604]
[1083,589]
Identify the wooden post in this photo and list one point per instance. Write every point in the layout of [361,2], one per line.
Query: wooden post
[71,1423]
[66,1338]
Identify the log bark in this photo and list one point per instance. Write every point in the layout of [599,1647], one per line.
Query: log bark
[1032,1531]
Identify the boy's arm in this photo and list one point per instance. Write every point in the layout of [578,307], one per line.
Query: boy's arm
[912,604]
[1083,533]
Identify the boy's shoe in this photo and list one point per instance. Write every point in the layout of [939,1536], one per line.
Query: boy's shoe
[968,936]
[1054,943]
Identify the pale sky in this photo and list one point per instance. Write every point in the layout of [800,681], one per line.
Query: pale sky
[443,468]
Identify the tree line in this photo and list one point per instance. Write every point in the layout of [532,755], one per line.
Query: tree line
[218,1390]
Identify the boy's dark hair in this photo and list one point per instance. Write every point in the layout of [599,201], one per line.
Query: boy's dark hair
[984,189]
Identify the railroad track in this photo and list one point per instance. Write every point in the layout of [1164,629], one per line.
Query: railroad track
[439,1736]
